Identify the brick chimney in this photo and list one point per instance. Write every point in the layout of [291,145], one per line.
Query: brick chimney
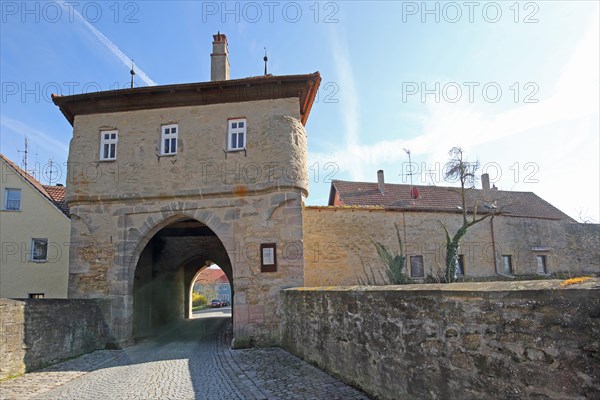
[380,181]
[219,59]
[485,182]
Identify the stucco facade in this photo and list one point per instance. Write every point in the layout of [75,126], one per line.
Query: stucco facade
[36,218]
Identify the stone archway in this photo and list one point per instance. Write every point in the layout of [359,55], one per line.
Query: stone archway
[191,282]
[165,266]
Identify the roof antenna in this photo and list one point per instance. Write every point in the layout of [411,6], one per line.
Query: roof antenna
[265,59]
[132,72]
[414,192]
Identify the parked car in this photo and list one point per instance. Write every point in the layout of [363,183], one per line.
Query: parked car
[216,303]
[225,303]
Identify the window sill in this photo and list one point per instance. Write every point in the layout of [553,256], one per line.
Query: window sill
[11,210]
[107,160]
[38,261]
[169,155]
[235,150]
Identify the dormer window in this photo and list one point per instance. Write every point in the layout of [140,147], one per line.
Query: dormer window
[168,142]
[236,137]
[108,145]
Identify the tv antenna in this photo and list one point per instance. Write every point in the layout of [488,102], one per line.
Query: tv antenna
[265,59]
[51,170]
[132,72]
[25,162]
[414,192]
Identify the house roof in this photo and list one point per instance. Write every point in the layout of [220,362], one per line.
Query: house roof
[443,199]
[58,197]
[212,275]
[266,87]
[55,194]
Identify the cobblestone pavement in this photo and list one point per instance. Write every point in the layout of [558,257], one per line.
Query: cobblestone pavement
[192,361]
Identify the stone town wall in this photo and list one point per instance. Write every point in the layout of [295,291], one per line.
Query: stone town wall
[245,197]
[337,238]
[504,340]
[36,333]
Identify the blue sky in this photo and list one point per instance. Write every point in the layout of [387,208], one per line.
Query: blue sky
[516,84]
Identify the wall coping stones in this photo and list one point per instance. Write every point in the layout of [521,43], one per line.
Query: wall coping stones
[464,288]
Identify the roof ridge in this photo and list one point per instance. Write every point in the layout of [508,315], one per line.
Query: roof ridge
[429,186]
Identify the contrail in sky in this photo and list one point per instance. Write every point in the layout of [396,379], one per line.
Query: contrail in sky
[111,46]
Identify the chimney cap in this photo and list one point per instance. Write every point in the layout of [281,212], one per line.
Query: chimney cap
[220,37]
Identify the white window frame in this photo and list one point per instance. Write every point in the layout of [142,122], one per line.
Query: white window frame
[108,142]
[5,205]
[233,134]
[171,137]
[33,255]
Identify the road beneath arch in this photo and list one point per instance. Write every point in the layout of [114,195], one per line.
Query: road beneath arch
[189,361]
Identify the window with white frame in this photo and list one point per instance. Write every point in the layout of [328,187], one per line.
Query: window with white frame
[12,199]
[168,144]
[108,145]
[39,249]
[236,137]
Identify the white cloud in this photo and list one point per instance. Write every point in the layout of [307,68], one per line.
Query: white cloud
[574,101]
[113,48]
[349,100]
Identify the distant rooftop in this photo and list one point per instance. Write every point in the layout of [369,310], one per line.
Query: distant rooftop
[442,199]
[55,194]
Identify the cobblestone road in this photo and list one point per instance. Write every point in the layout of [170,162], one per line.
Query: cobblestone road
[181,364]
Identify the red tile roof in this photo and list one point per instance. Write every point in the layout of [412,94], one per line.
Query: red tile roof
[55,194]
[210,275]
[443,199]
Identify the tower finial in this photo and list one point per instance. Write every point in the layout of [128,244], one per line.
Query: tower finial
[265,59]
[132,72]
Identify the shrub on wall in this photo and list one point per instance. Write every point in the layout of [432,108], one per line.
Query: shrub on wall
[394,265]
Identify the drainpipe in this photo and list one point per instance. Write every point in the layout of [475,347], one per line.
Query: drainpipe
[494,245]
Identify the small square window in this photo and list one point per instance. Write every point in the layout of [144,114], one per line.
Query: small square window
[39,249]
[236,134]
[268,257]
[12,199]
[169,140]
[416,267]
[36,295]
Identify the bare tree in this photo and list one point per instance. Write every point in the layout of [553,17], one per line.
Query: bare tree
[459,169]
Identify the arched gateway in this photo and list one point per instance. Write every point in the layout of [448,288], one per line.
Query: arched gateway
[166,268]
[163,179]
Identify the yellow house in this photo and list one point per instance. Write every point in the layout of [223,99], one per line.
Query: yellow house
[34,235]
